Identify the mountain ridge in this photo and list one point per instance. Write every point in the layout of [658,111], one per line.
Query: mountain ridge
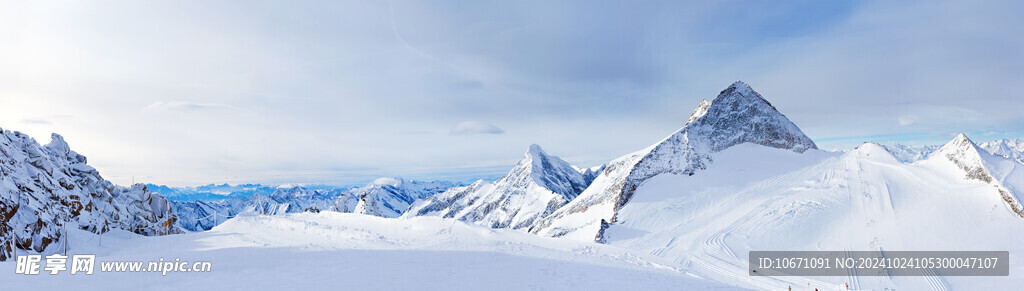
[737,115]
[536,186]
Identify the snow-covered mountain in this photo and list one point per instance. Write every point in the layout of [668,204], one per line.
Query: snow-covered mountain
[737,115]
[203,215]
[761,198]
[1008,148]
[978,164]
[1012,149]
[909,153]
[589,174]
[537,186]
[386,197]
[390,197]
[211,192]
[44,188]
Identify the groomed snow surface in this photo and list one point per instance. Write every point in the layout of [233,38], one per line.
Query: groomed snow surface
[864,199]
[344,251]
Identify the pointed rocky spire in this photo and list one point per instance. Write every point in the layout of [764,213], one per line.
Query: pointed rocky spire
[739,114]
[550,172]
[702,108]
[966,155]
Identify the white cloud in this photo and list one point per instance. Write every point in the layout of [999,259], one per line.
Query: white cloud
[907,120]
[474,127]
[186,106]
[386,181]
[348,91]
[39,121]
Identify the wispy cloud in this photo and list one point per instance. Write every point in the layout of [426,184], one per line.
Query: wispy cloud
[187,106]
[907,120]
[475,127]
[342,91]
[38,121]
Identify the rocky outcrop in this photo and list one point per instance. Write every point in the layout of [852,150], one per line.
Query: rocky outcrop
[45,188]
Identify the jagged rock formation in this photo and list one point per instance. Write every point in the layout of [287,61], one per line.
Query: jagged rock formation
[702,109]
[737,115]
[537,186]
[44,188]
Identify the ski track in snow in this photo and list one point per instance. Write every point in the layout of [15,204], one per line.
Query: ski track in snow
[866,195]
[935,281]
[721,258]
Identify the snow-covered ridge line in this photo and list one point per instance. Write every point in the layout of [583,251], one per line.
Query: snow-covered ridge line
[385,197]
[1012,149]
[978,164]
[44,188]
[535,187]
[737,115]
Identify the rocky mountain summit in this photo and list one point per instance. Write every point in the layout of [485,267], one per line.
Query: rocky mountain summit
[737,115]
[44,189]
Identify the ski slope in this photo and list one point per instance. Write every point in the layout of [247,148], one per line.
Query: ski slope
[862,200]
[331,250]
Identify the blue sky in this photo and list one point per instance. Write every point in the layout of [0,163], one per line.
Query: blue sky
[341,92]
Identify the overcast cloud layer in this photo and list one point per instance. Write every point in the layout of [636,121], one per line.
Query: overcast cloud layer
[193,92]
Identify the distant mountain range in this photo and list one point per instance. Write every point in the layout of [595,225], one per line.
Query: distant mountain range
[214,192]
[1012,149]
[385,197]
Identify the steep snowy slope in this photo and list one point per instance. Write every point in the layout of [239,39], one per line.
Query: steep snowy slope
[42,188]
[861,200]
[738,115]
[533,189]
[980,165]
